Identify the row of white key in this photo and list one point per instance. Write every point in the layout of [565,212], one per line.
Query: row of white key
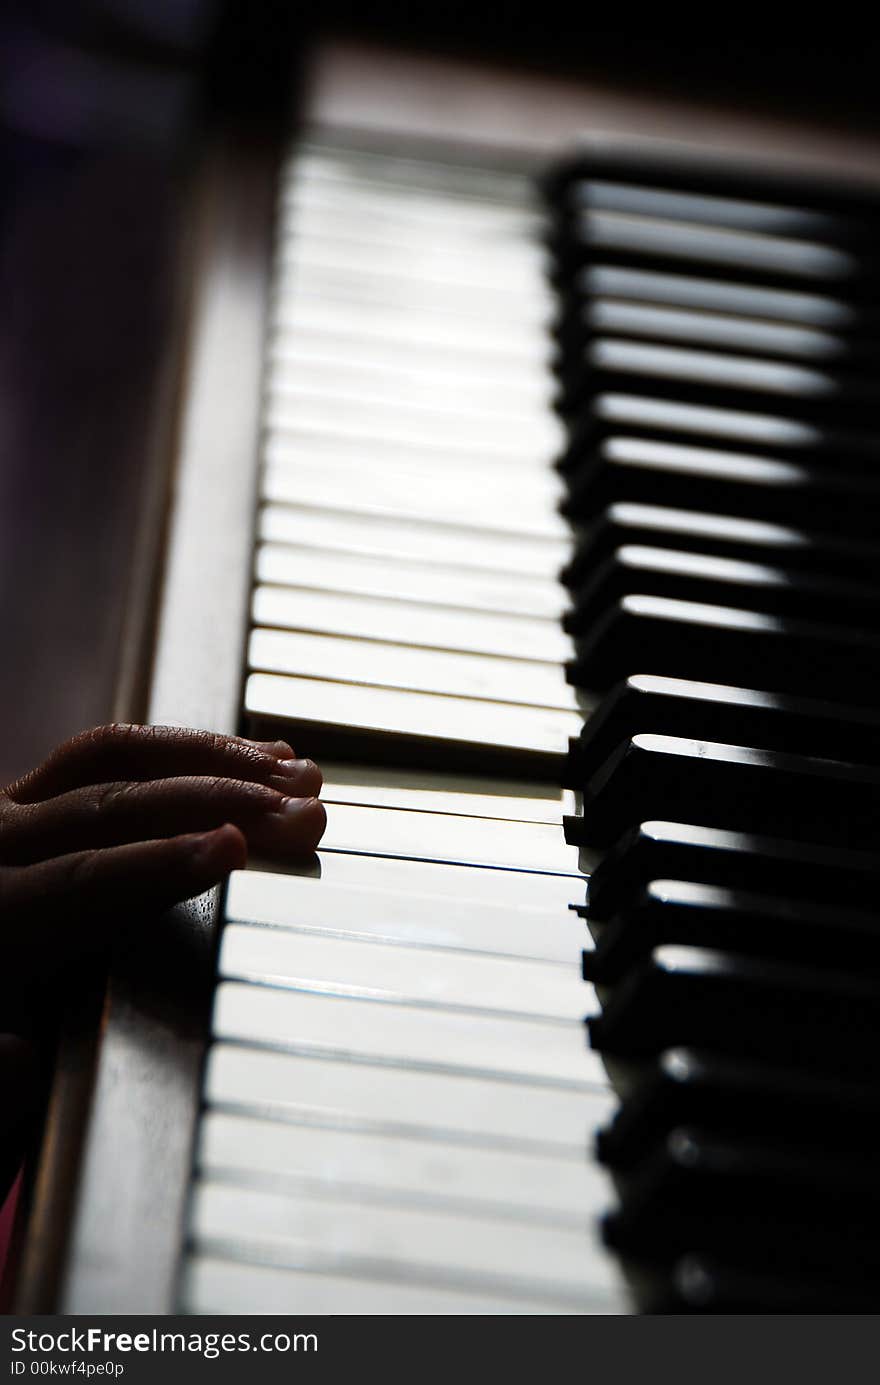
[408,579]
[399,1095]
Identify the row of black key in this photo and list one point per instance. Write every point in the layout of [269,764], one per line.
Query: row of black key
[718,352]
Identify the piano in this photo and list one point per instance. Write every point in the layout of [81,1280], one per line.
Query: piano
[527,484]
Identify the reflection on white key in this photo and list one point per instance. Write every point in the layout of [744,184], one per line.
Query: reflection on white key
[367,316]
[212,1285]
[375,970]
[543,1187]
[448,503]
[444,880]
[339,570]
[417,920]
[411,1036]
[302,1232]
[525,559]
[290,403]
[414,623]
[423,375]
[468,1109]
[383,786]
[394,454]
[524,732]
[520,846]
[322,272]
[386,665]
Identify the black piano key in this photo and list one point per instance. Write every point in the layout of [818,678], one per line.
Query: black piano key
[720,536]
[770,193]
[705,1284]
[692,203]
[819,1021]
[706,1195]
[753,925]
[636,414]
[648,472]
[713,712]
[841,318]
[720,582]
[716,378]
[586,235]
[588,315]
[720,644]
[669,850]
[730,1097]
[736,788]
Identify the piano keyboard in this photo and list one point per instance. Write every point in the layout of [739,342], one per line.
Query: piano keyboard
[400,1108]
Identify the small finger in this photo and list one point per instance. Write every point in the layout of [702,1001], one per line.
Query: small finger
[63,907]
[117,752]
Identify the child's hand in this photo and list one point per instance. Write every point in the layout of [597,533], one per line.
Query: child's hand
[140,816]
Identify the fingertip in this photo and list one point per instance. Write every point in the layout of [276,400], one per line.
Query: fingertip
[280,750]
[315,815]
[220,851]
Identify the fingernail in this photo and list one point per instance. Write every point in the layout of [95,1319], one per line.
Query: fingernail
[300,777]
[280,749]
[293,769]
[293,807]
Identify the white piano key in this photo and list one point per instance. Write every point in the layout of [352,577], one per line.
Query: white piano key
[418,920]
[431,977]
[311,483]
[320,269]
[462,1108]
[401,666]
[365,315]
[526,559]
[212,1285]
[311,426]
[434,791]
[520,846]
[388,409]
[408,212]
[311,354]
[407,1171]
[336,570]
[417,211]
[481,267]
[435,178]
[441,879]
[403,221]
[523,733]
[401,456]
[561,1265]
[377,1031]
[411,623]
